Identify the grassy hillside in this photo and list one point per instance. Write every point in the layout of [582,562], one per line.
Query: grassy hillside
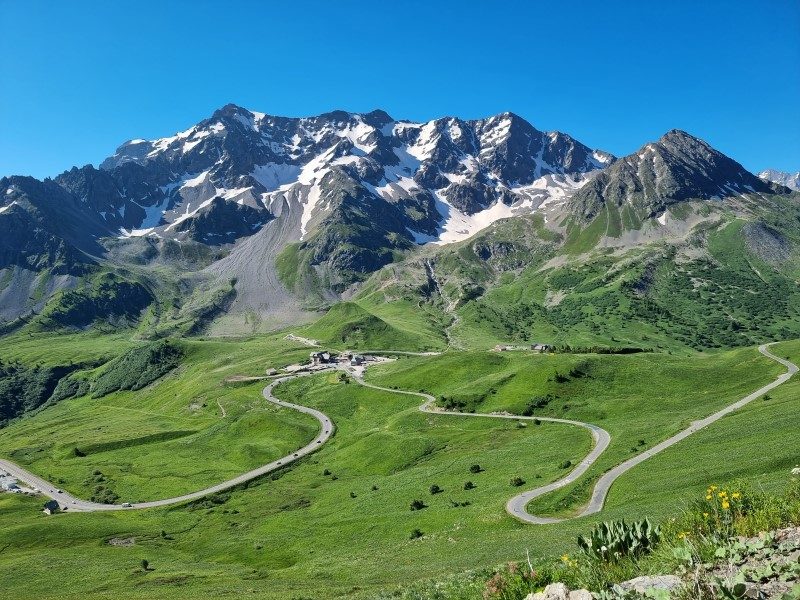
[639,399]
[717,277]
[349,325]
[305,533]
[167,438]
[752,444]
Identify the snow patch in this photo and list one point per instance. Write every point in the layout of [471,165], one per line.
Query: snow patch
[356,134]
[273,175]
[458,226]
[424,145]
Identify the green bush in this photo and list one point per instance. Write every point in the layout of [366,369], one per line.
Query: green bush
[138,367]
[24,388]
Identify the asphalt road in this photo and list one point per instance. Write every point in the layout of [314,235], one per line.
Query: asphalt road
[516,506]
[73,504]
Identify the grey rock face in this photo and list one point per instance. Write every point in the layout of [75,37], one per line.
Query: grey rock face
[652,582]
[676,168]
[352,189]
[559,591]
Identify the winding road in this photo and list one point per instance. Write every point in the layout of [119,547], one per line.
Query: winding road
[74,504]
[516,506]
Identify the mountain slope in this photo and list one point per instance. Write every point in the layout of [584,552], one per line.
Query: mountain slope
[674,246]
[470,231]
[676,168]
[337,196]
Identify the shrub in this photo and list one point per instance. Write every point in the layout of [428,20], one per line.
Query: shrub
[103,495]
[612,540]
[418,505]
[138,367]
[537,402]
[517,481]
[469,485]
[475,469]
[435,489]
[417,533]
[515,581]
[565,465]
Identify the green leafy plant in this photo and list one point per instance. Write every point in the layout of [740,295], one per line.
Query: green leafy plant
[611,540]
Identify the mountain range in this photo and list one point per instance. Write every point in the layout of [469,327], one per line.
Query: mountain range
[790,180]
[248,222]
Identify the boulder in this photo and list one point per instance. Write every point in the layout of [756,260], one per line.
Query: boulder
[652,582]
[554,591]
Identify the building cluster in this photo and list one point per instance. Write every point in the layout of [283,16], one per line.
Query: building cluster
[327,358]
[532,347]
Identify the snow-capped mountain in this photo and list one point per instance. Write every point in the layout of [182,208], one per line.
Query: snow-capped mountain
[448,177]
[790,180]
[261,216]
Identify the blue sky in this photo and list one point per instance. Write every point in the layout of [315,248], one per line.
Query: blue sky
[79,78]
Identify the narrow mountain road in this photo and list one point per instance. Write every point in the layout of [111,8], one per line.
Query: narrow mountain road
[600,437]
[604,483]
[515,506]
[74,504]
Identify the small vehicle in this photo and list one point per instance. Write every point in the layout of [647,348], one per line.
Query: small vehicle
[59,491]
[296,455]
[127,505]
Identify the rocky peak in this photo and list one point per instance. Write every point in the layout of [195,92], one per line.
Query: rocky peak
[675,168]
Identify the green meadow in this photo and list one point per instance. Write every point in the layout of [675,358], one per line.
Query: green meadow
[340,521]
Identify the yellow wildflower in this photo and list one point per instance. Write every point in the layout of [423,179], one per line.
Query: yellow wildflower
[736,495]
[725,505]
[705,515]
[712,488]
[722,494]
[708,497]
[565,558]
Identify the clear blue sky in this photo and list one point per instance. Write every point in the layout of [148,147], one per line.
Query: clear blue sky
[78,78]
